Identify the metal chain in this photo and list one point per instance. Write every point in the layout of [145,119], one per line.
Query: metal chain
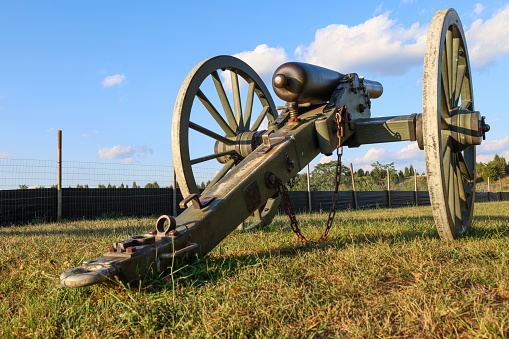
[335,197]
[286,197]
[337,180]
[289,210]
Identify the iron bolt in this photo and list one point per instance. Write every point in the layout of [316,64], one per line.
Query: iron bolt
[111,249]
[130,250]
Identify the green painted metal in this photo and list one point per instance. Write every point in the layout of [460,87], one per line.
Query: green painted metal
[448,129]
[384,129]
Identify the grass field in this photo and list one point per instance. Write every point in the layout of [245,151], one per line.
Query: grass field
[382,273]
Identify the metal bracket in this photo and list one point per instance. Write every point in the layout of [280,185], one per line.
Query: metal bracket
[198,203]
[265,146]
[290,164]
[164,260]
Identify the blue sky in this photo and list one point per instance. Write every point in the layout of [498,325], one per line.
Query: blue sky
[108,73]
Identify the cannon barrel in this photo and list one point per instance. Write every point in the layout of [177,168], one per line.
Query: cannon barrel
[301,82]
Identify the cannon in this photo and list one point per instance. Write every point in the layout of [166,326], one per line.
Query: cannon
[325,110]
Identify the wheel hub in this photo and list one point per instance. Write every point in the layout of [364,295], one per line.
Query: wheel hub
[466,128]
[245,144]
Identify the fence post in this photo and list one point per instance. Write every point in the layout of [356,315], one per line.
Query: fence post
[309,189]
[353,186]
[388,188]
[415,187]
[174,193]
[59,183]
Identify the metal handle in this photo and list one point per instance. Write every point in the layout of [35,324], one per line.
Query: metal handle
[81,277]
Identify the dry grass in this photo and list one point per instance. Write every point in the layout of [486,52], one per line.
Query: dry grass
[382,273]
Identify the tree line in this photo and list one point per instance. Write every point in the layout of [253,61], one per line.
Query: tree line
[134,185]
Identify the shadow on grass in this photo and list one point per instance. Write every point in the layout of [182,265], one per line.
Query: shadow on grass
[209,269]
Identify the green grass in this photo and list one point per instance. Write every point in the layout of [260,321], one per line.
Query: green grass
[382,273]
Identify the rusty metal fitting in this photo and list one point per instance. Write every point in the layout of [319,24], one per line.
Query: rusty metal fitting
[271,180]
[130,250]
[111,249]
[173,233]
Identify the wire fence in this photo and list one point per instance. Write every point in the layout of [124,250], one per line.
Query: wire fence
[28,191]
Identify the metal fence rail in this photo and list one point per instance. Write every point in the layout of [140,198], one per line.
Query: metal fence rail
[28,191]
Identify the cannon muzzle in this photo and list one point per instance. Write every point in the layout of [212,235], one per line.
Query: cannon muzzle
[301,82]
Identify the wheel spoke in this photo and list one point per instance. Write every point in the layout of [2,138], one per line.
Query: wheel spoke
[221,173]
[457,190]
[211,134]
[210,157]
[215,114]
[450,188]
[260,118]
[448,46]
[224,101]
[249,106]
[445,102]
[446,153]
[455,64]
[461,190]
[463,168]
[236,100]
[459,83]
[466,105]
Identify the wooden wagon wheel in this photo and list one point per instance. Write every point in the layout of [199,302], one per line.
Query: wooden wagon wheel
[224,134]
[451,127]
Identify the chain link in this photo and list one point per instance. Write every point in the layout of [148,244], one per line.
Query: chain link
[337,181]
[289,210]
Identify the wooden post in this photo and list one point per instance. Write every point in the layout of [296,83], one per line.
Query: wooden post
[174,193]
[389,188]
[488,185]
[415,187]
[353,186]
[309,189]
[59,182]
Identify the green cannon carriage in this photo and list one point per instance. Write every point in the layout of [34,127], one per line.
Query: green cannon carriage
[324,110]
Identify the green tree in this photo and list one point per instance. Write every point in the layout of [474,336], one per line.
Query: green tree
[134,185]
[323,176]
[152,185]
[407,172]
[101,186]
[23,187]
[380,170]
[494,169]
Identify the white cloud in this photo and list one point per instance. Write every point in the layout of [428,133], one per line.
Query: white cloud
[116,152]
[408,152]
[494,145]
[489,40]
[379,46]
[479,8]
[263,59]
[124,152]
[378,9]
[372,155]
[326,158]
[128,161]
[484,158]
[111,80]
